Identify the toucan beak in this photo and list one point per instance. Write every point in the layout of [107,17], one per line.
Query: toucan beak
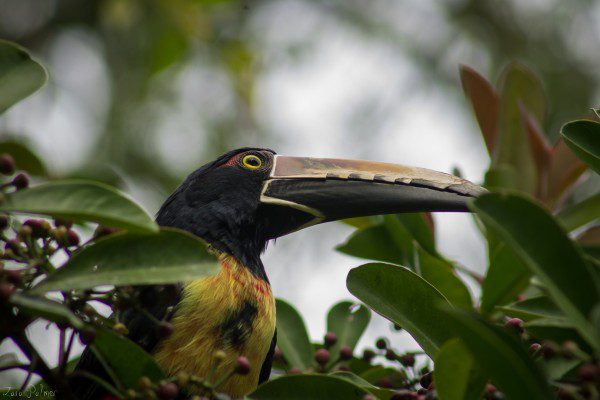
[331,189]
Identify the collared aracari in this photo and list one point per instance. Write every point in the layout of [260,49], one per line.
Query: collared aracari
[236,204]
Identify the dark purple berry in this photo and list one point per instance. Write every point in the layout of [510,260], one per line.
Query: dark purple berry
[368,355]
[588,372]
[404,394]
[63,222]
[381,344]
[346,353]
[72,237]
[4,222]
[87,335]
[242,366]
[322,356]
[391,355]
[20,181]
[167,391]
[330,339]
[534,348]
[165,329]
[426,379]
[38,228]
[385,383]
[408,360]
[549,349]
[13,276]
[7,164]
[6,290]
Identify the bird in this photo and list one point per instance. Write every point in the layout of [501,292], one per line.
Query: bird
[237,204]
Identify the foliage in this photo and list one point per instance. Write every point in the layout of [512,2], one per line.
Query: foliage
[534,332]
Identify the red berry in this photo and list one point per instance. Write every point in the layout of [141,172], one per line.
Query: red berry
[385,383]
[549,349]
[368,397]
[242,366]
[322,356]
[426,379]
[20,181]
[515,323]
[7,164]
[294,371]
[491,389]
[277,355]
[346,353]
[37,227]
[330,339]
[534,348]
[381,344]
[167,391]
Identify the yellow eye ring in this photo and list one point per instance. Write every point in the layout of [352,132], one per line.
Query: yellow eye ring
[251,161]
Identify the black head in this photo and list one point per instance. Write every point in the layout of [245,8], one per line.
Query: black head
[248,196]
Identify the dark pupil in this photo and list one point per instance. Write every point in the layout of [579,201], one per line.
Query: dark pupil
[253,161]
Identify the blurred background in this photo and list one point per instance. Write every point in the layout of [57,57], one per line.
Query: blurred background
[141,93]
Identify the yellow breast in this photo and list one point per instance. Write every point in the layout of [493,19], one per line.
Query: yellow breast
[233,311]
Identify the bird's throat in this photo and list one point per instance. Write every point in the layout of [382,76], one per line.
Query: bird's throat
[233,311]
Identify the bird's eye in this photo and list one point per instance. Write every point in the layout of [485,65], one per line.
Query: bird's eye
[251,161]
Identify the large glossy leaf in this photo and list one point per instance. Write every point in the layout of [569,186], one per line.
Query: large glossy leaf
[506,277]
[128,361]
[583,137]
[382,394]
[45,308]
[500,356]
[373,243]
[518,86]
[314,387]
[25,159]
[404,298]
[348,323]
[547,251]
[81,200]
[20,75]
[292,337]
[484,100]
[532,308]
[440,273]
[457,377]
[134,258]
[581,214]
[402,239]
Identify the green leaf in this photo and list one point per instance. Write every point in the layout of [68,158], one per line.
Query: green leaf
[581,214]
[532,308]
[292,337]
[518,87]
[382,394]
[546,250]
[557,367]
[500,356]
[583,137]
[558,330]
[314,387]
[372,243]
[506,278]
[119,352]
[25,159]
[20,75]
[348,323]
[45,308]
[372,375]
[440,273]
[457,377]
[170,256]
[81,200]
[418,227]
[404,298]
[402,239]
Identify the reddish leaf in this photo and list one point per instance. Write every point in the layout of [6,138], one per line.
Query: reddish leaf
[540,148]
[484,101]
[565,169]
